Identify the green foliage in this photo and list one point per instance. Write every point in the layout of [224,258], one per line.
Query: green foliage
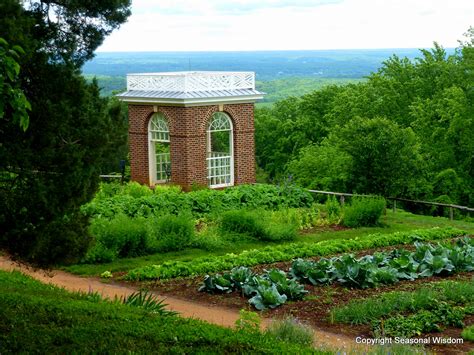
[468,333]
[406,131]
[51,169]
[273,288]
[286,252]
[121,236]
[269,290]
[13,103]
[39,318]
[292,331]
[257,225]
[171,233]
[248,321]
[424,321]
[267,297]
[363,212]
[387,304]
[148,302]
[243,222]
[134,200]
[376,269]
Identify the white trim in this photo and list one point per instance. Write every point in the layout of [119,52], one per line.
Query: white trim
[221,159]
[152,151]
[192,102]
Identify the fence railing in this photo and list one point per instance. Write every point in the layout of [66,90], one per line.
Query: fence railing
[451,207]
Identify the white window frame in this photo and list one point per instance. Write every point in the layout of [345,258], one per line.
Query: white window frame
[215,161]
[157,133]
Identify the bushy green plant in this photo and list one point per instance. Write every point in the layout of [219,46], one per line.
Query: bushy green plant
[170,233]
[468,333]
[241,221]
[136,201]
[120,236]
[363,212]
[291,330]
[333,210]
[258,225]
[148,302]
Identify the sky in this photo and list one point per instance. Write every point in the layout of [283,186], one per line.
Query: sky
[237,25]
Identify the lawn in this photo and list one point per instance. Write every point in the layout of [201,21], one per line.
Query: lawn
[391,222]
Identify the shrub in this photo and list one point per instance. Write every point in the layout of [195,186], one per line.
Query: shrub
[292,331]
[121,236]
[171,233]
[243,222]
[364,212]
[258,225]
[280,232]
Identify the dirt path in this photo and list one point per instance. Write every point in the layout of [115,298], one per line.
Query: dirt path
[209,313]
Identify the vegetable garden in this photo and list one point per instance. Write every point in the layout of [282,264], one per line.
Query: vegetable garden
[258,248]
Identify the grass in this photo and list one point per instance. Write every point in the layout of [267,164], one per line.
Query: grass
[39,318]
[367,310]
[391,222]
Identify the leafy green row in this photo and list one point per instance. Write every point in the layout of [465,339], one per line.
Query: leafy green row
[286,252]
[425,321]
[391,303]
[137,201]
[269,290]
[273,288]
[387,268]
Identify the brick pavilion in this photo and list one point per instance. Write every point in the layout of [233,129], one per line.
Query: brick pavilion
[192,128]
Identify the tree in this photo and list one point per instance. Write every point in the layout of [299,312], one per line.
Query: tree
[373,156]
[13,103]
[50,170]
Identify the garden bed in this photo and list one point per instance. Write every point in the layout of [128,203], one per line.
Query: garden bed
[316,306]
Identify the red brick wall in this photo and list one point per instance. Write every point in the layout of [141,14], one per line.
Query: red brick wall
[188,142]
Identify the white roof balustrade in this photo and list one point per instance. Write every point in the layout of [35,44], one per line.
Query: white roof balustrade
[191,88]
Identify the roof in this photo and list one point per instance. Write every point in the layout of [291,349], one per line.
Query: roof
[188,88]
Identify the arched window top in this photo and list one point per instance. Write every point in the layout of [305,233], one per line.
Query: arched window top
[220,122]
[159,130]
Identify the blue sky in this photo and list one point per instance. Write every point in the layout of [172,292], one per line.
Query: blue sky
[190,25]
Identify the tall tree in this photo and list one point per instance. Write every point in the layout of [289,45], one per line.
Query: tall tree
[50,170]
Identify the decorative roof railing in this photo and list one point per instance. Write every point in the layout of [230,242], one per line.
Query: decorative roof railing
[191,81]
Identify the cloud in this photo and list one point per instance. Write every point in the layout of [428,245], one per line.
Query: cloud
[219,7]
[188,25]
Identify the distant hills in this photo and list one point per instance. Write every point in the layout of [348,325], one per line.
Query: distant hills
[317,65]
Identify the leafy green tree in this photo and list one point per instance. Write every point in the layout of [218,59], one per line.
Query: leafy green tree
[13,103]
[50,170]
[372,156]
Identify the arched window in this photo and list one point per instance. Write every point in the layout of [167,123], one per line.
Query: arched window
[220,151]
[159,149]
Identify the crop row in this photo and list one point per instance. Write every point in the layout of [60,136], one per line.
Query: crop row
[286,252]
[137,201]
[273,288]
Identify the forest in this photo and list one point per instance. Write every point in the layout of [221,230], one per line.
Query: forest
[407,131]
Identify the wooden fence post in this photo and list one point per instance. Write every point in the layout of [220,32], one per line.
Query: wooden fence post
[451,217]
[342,199]
[394,206]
